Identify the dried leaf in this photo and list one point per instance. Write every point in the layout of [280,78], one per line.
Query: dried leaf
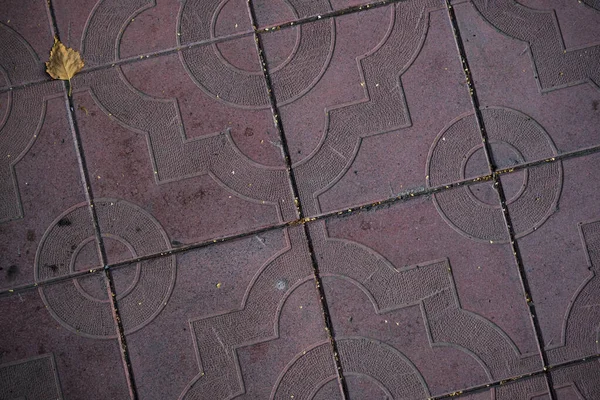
[64,62]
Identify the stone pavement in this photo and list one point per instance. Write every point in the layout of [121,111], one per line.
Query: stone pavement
[301,199]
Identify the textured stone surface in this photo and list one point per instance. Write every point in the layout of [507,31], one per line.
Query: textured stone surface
[404,278]
[25,42]
[568,382]
[41,358]
[361,112]
[566,248]
[195,166]
[577,381]
[109,30]
[546,69]
[276,12]
[168,167]
[532,388]
[39,180]
[240,317]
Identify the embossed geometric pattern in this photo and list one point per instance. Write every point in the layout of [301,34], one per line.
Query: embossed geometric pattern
[438,298]
[41,359]
[293,199]
[567,248]
[546,68]
[40,180]
[377,92]
[238,315]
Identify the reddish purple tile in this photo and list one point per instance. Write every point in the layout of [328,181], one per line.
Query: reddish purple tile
[164,153]
[536,76]
[419,305]
[361,112]
[574,382]
[46,229]
[528,388]
[26,37]
[59,341]
[238,318]
[565,248]
[577,382]
[107,31]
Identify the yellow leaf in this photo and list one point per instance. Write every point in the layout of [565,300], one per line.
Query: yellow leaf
[63,63]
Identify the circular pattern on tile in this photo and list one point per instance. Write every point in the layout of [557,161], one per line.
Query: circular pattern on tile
[292,78]
[475,164]
[474,211]
[390,369]
[227,22]
[82,304]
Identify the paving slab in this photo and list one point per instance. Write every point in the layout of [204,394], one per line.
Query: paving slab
[174,148]
[566,248]
[163,152]
[537,82]
[56,346]
[46,228]
[26,35]
[240,319]
[405,285]
[361,112]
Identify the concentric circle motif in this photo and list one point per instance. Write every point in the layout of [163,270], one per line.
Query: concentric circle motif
[474,211]
[82,304]
[217,76]
[391,372]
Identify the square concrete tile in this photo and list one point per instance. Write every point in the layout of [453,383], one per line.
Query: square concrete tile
[46,230]
[59,341]
[535,69]
[565,247]
[237,319]
[421,306]
[26,36]
[169,160]
[365,97]
[112,30]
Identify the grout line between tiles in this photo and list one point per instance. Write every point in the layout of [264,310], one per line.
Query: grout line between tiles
[558,157]
[365,207]
[22,288]
[220,39]
[294,186]
[134,59]
[330,14]
[488,386]
[400,198]
[502,198]
[128,370]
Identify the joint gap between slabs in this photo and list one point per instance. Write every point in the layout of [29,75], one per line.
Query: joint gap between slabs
[327,15]
[275,114]
[526,288]
[500,191]
[326,315]
[485,387]
[84,175]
